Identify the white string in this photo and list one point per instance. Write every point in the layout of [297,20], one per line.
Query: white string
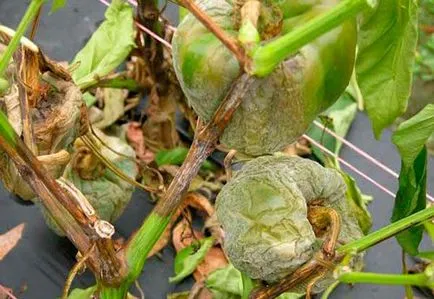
[363,153]
[330,153]
[143,28]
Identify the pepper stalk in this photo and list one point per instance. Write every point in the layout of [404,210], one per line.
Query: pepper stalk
[265,58]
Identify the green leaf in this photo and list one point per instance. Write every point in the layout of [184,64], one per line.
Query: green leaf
[358,203]
[387,47]
[4,85]
[248,285]
[411,135]
[108,47]
[189,258]
[183,12]
[82,293]
[181,295]
[227,283]
[429,255]
[57,4]
[355,198]
[410,139]
[6,130]
[89,99]
[176,156]
[429,227]
[341,115]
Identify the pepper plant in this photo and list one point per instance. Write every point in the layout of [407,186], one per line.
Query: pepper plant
[256,73]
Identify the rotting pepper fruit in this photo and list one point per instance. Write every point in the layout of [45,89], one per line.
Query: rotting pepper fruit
[54,112]
[264,213]
[277,109]
[104,190]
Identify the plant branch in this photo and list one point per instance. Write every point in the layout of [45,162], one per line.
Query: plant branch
[80,227]
[421,280]
[203,145]
[231,43]
[386,232]
[310,269]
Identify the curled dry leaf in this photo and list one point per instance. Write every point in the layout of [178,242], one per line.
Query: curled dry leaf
[10,239]
[137,141]
[199,202]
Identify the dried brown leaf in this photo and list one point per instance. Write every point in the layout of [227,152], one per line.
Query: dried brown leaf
[114,102]
[6,293]
[137,141]
[10,239]
[199,202]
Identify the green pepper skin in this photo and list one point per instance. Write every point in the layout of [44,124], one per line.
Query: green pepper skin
[277,109]
[263,211]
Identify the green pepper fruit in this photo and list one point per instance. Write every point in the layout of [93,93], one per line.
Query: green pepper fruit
[277,109]
[264,213]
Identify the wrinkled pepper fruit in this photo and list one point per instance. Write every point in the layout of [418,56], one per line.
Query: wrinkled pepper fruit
[263,210]
[277,109]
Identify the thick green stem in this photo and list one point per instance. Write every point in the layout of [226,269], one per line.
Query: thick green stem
[30,14]
[143,242]
[386,232]
[114,293]
[267,57]
[385,279]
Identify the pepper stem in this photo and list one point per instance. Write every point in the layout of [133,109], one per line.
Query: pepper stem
[267,57]
[421,279]
[386,232]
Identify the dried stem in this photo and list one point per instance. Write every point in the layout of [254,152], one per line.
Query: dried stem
[77,267]
[79,227]
[203,145]
[309,269]
[231,43]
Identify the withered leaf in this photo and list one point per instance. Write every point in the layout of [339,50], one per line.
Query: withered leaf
[6,293]
[114,100]
[137,141]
